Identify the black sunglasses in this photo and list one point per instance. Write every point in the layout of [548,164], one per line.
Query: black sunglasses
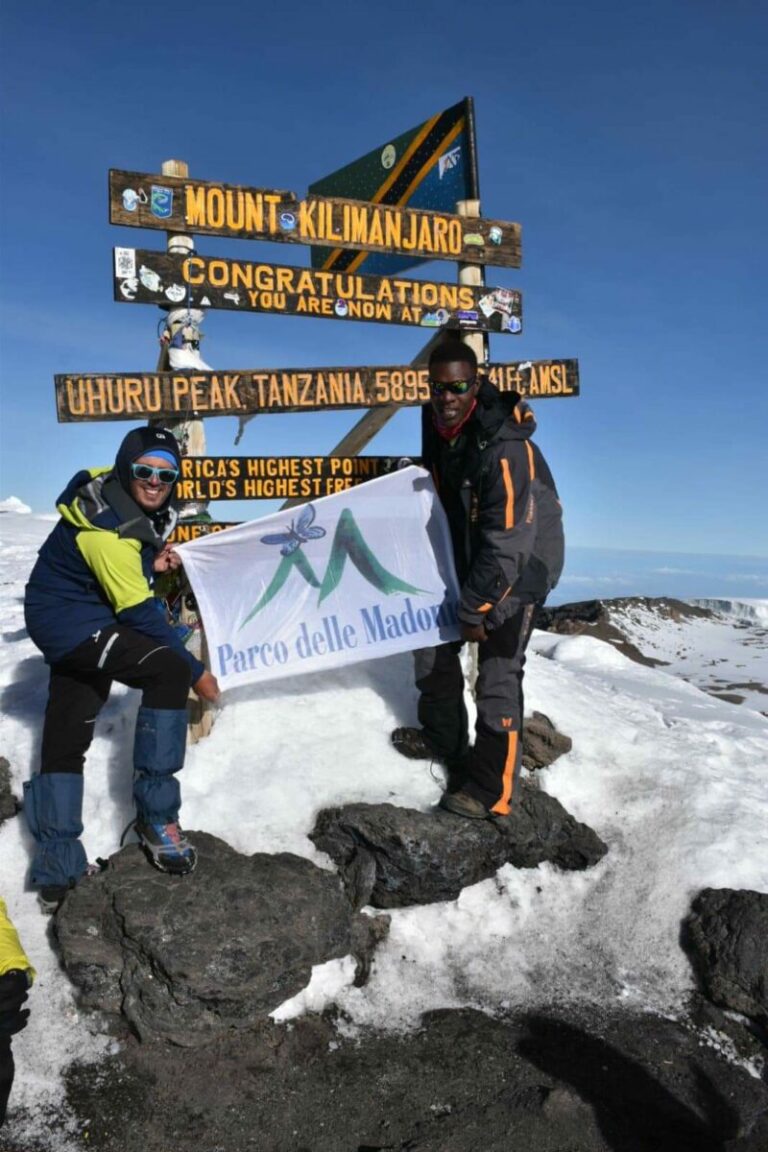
[456,387]
[148,472]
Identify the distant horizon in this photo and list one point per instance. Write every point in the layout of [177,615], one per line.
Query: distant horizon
[606,573]
[669,552]
[47,514]
[603,573]
[580,547]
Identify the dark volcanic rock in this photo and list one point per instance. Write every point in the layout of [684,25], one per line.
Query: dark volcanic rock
[392,857]
[590,618]
[9,805]
[187,958]
[463,1082]
[542,743]
[593,618]
[726,935]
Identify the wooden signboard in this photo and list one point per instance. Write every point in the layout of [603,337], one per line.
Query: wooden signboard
[187,530]
[168,395]
[146,277]
[179,204]
[276,477]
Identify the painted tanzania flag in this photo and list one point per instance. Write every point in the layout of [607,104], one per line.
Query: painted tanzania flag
[432,166]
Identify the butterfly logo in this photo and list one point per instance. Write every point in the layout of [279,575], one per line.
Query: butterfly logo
[297,534]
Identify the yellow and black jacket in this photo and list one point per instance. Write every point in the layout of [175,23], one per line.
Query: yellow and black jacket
[96,570]
[12,955]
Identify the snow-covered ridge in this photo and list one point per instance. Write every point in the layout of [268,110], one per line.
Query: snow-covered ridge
[13,504]
[718,644]
[753,611]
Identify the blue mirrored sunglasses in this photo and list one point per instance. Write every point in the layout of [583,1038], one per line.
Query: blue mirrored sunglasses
[457,387]
[148,472]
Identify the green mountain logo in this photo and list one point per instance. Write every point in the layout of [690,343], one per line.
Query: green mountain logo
[348,543]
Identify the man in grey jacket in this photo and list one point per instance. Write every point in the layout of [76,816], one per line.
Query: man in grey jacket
[506,529]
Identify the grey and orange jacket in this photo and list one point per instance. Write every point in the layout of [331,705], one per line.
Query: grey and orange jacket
[502,506]
[95,570]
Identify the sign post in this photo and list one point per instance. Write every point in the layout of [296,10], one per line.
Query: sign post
[396,234]
[414,198]
[190,433]
[142,276]
[243,392]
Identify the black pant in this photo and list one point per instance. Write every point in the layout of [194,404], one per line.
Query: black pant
[80,684]
[6,1074]
[13,993]
[494,762]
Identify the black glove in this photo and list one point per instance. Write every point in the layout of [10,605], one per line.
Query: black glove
[13,993]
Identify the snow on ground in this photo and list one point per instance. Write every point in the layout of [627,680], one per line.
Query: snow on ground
[727,654]
[673,780]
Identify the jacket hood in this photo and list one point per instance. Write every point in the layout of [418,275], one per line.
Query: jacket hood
[501,414]
[141,442]
[81,501]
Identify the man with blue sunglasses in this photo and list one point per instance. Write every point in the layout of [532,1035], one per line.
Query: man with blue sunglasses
[90,608]
[506,529]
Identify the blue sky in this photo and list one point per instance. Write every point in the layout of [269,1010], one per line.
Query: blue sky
[628,140]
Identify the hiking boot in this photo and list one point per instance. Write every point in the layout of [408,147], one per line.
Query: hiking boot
[51,897]
[462,804]
[411,742]
[167,847]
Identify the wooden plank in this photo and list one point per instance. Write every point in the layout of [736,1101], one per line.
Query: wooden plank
[187,530]
[191,436]
[276,477]
[82,397]
[146,277]
[372,421]
[143,200]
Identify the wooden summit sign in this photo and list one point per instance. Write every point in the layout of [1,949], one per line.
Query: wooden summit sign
[276,477]
[166,395]
[179,204]
[187,530]
[145,277]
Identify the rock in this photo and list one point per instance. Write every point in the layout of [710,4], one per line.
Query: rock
[591,618]
[9,805]
[725,936]
[736,1036]
[462,1082]
[542,743]
[753,1139]
[602,620]
[185,959]
[393,857]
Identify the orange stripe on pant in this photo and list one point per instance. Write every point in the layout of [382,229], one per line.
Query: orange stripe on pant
[501,807]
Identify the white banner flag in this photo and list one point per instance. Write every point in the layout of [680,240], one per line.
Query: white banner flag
[361,574]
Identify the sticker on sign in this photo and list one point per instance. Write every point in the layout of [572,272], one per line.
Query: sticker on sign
[125,263]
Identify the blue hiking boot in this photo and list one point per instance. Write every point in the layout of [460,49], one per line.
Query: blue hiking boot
[167,847]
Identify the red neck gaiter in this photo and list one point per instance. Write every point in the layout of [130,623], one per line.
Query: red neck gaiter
[451,433]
